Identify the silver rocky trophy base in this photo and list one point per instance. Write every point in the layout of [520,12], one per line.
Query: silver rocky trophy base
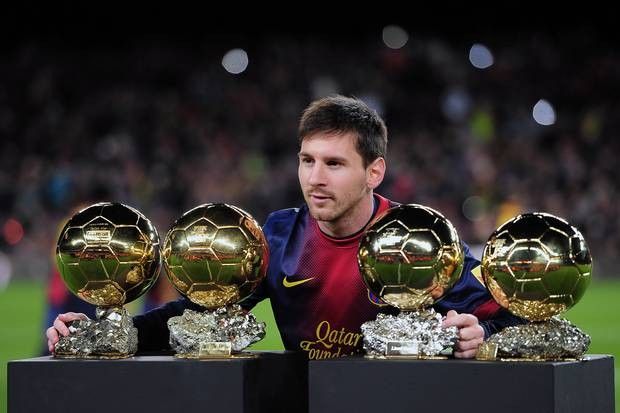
[220,332]
[111,336]
[555,339]
[416,334]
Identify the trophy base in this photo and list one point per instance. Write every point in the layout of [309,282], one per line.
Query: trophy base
[218,333]
[534,360]
[405,357]
[216,357]
[410,335]
[556,339]
[111,336]
[93,357]
[214,350]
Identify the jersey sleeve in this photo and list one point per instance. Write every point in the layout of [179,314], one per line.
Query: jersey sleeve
[277,229]
[502,319]
[256,297]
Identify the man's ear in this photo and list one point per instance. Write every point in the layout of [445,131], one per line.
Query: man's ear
[375,173]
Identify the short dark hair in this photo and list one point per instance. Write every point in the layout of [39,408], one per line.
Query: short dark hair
[342,114]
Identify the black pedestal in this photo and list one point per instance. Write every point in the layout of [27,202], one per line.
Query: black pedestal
[388,386]
[270,382]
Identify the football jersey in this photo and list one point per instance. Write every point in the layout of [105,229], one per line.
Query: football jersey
[317,294]
[318,297]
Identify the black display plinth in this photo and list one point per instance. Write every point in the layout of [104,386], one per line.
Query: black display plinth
[388,386]
[270,382]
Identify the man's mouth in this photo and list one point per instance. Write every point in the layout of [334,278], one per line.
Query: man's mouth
[319,196]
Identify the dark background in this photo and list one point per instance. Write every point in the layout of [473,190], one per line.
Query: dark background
[132,104]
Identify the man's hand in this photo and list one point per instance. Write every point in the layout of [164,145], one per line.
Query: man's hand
[60,327]
[471,334]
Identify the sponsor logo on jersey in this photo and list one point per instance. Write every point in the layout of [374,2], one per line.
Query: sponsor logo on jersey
[331,343]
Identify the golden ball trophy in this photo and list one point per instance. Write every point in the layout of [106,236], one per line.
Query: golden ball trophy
[409,257]
[108,255]
[537,266]
[215,255]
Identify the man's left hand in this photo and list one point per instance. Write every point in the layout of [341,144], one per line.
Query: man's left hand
[471,334]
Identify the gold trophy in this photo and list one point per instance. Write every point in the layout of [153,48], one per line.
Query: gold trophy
[108,255]
[215,255]
[537,266]
[409,257]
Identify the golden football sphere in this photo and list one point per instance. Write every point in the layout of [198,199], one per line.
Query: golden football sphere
[216,254]
[536,265]
[410,256]
[108,254]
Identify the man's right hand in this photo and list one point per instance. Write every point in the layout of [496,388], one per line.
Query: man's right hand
[60,328]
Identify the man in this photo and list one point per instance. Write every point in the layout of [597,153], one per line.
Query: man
[317,294]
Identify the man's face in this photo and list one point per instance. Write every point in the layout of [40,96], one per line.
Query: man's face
[332,175]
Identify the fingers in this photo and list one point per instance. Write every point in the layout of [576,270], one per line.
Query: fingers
[464,345]
[67,317]
[471,334]
[465,354]
[52,338]
[459,320]
[60,323]
[467,349]
[60,327]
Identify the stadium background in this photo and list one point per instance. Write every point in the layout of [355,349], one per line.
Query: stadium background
[484,122]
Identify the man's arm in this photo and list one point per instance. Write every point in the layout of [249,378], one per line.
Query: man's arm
[500,320]
[276,230]
[153,334]
[470,307]
[256,297]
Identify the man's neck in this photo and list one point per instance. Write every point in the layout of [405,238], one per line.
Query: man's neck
[352,221]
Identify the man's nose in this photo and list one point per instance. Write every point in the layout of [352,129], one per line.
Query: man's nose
[317,175]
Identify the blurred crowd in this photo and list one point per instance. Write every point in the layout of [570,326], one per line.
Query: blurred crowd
[159,124]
